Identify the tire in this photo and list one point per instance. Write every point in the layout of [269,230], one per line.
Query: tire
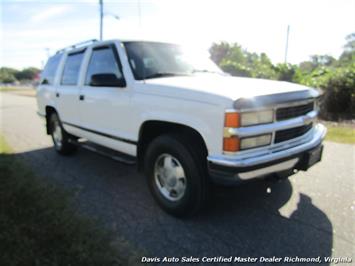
[176,176]
[60,137]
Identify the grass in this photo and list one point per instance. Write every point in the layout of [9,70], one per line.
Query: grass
[341,133]
[39,226]
[7,88]
[16,88]
[22,91]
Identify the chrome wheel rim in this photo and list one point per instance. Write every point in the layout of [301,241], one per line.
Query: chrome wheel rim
[169,176]
[57,134]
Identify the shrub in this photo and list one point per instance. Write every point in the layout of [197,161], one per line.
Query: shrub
[339,94]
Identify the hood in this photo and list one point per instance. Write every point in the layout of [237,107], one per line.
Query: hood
[233,88]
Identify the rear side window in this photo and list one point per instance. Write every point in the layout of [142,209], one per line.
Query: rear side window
[48,74]
[72,68]
[103,61]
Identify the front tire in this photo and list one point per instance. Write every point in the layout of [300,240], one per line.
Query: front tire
[61,139]
[175,177]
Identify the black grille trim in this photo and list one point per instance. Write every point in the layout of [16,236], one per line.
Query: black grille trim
[291,133]
[294,111]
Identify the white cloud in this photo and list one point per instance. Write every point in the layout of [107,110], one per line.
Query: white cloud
[50,12]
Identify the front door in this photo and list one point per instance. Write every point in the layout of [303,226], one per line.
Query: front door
[105,101]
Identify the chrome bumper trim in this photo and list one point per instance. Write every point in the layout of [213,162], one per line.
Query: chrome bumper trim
[268,128]
[269,169]
[319,133]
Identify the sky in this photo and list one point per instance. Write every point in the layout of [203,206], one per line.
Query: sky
[32,30]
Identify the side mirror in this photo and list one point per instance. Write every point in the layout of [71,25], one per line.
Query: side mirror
[45,82]
[106,80]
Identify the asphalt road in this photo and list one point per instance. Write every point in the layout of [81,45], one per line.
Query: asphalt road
[312,214]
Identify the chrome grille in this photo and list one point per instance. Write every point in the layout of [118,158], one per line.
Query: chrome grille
[293,111]
[291,133]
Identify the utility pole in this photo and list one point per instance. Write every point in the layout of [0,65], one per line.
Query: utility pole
[286,48]
[139,13]
[101,17]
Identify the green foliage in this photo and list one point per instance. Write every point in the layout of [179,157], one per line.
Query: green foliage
[239,62]
[286,72]
[7,75]
[339,97]
[27,74]
[235,68]
[219,51]
[342,133]
[348,56]
[10,75]
[336,77]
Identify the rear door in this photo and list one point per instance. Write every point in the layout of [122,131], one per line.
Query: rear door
[67,93]
[47,87]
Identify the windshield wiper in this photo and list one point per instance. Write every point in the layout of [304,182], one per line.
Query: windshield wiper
[164,74]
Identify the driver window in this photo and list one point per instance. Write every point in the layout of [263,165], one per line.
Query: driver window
[103,61]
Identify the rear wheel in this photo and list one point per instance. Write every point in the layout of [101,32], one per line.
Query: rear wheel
[61,139]
[175,176]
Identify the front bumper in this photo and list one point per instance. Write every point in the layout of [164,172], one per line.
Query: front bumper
[282,159]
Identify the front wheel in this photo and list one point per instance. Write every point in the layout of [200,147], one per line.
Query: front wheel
[60,137]
[175,176]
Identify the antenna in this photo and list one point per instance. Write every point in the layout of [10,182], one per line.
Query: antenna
[101,3]
[286,48]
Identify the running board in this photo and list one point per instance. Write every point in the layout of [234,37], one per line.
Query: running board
[114,155]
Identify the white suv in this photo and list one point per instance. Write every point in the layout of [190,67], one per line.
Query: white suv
[178,116]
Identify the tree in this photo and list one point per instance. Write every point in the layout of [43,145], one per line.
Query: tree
[219,51]
[348,55]
[286,72]
[27,74]
[11,75]
[322,60]
[235,60]
[7,75]
[350,45]
[335,77]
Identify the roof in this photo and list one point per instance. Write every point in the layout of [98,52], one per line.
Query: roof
[92,41]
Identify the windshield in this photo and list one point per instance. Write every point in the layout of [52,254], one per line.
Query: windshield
[154,60]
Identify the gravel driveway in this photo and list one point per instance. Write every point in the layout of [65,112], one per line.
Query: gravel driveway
[312,214]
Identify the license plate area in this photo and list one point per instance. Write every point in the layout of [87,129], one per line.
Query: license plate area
[314,156]
[310,158]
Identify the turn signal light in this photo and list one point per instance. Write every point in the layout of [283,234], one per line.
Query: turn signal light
[232,119]
[231,144]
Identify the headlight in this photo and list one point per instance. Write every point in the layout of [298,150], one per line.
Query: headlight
[253,142]
[233,120]
[258,117]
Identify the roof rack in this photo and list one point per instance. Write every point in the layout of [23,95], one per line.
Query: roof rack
[77,45]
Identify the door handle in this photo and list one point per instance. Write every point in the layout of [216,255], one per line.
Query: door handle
[81,97]
[57,94]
